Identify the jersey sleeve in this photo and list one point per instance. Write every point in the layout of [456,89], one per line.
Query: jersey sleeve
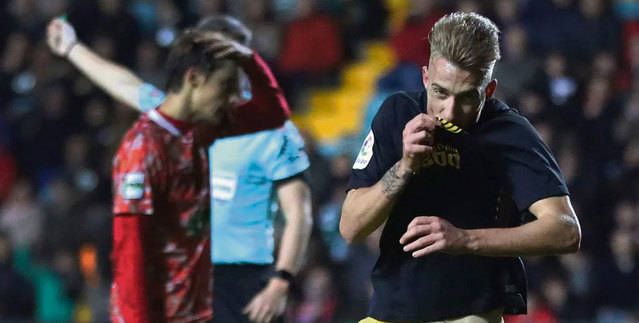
[378,152]
[285,156]
[527,166]
[130,292]
[267,107]
[136,180]
[150,97]
[136,176]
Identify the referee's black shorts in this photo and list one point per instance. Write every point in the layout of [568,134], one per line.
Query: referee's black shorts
[234,286]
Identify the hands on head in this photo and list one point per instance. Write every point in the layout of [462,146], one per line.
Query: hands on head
[222,46]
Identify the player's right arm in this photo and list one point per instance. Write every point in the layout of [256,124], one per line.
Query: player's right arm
[115,79]
[136,181]
[367,207]
[130,293]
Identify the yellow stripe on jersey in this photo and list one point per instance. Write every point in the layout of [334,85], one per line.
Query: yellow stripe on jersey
[371,320]
[449,126]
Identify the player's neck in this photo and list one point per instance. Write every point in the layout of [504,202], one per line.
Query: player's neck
[176,107]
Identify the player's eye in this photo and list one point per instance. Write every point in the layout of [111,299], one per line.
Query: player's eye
[439,92]
[468,100]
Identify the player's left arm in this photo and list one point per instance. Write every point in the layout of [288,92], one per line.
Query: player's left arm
[294,197]
[267,107]
[555,231]
[295,201]
[285,162]
[537,186]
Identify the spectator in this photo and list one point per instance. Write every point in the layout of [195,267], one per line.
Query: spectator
[318,300]
[7,172]
[618,279]
[267,33]
[21,216]
[311,50]
[312,43]
[16,293]
[596,31]
[409,43]
[516,70]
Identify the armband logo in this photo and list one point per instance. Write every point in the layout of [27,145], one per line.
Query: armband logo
[366,152]
[132,186]
[223,186]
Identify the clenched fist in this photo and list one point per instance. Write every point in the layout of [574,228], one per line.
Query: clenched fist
[61,37]
[417,141]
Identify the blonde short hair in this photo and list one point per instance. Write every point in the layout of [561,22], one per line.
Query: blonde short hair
[468,40]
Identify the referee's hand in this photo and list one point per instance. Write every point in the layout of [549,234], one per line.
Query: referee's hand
[417,141]
[269,303]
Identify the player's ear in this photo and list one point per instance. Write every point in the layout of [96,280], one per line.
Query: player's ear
[490,88]
[194,77]
[425,76]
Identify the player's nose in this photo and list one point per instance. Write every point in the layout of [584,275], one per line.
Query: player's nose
[447,110]
[235,99]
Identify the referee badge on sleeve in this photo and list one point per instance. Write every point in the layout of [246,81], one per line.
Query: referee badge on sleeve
[366,152]
[132,186]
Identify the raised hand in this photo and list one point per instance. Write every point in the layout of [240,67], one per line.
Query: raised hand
[61,37]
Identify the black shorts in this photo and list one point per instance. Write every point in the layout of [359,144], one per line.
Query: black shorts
[233,288]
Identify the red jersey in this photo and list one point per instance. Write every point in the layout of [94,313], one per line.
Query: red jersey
[161,266]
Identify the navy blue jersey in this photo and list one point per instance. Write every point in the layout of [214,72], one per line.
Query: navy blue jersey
[468,180]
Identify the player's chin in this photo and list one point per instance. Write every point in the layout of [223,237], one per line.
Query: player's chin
[223,115]
[218,118]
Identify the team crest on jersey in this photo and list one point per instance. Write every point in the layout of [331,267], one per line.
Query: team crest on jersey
[132,186]
[366,152]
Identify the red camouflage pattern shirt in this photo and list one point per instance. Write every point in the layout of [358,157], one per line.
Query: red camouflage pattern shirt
[161,266]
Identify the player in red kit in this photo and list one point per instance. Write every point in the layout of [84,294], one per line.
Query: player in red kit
[236,251]
[162,270]
[160,251]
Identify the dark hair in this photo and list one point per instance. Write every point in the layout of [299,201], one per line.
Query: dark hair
[227,25]
[187,52]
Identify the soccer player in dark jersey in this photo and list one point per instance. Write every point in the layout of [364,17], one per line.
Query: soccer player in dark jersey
[448,247]
[162,271]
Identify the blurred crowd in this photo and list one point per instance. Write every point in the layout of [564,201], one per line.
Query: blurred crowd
[570,66]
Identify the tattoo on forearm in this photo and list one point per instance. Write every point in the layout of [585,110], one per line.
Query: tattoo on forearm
[392,183]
